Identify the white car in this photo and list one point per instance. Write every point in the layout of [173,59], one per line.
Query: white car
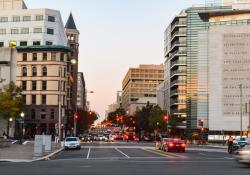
[72,143]
[243,154]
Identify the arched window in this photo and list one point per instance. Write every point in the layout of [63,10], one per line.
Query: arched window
[44,71]
[25,71]
[34,71]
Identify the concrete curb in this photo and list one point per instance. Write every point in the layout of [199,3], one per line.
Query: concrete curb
[48,156]
[28,161]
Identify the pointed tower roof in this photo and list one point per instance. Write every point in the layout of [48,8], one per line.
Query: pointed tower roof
[70,23]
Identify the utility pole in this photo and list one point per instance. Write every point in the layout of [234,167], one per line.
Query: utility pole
[59,107]
[249,119]
[240,86]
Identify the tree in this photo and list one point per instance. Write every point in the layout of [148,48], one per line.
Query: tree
[11,101]
[112,116]
[142,118]
[156,120]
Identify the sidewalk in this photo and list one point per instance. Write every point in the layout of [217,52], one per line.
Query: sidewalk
[24,152]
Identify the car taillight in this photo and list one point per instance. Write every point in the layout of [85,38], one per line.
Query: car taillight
[183,145]
[171,144]
[134,137]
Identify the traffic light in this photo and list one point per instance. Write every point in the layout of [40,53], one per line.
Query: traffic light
[165,117]
[76,117]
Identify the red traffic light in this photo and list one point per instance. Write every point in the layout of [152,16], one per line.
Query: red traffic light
[76,116]
[165,117]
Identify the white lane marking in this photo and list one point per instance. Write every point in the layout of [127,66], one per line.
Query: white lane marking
[88,153]
[228,158]
[122,153]
[202,154]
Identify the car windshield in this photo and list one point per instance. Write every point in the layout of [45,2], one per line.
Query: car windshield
[71,139]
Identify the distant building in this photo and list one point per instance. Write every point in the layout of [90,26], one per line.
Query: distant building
[81,92]
[111,108]
[161,96]
[29,26]
[139,87]
[119,99]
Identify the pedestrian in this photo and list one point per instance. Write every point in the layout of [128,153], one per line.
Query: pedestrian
[4,135]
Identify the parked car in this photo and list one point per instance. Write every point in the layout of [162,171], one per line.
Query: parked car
[129,136]
[72,143]
[118,136]
[101,138]
[173,145]
[243,154]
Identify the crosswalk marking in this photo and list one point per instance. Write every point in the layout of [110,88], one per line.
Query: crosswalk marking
[170,155]
[122,153]
[88,153]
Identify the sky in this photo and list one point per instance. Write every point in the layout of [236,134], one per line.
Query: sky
[114,36]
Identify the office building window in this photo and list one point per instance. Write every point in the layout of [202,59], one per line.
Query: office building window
[49,43]
[1,44]
[34,56]
[33,85]
[52,113]
[14,31]
[24,72]
[39,17]
[36,43]
[44,71]
[33,114]
[23,43]
[44,85]
[44,99]
[34,71]
[24,99]
[62,57]
[3,19]
[2,31]
[38,30]
[44,56]
[24,85]
[33,99]
[50,31]
[43,114]
[53,56]
[25,30]
[51,18]
[16,18]
[26,18]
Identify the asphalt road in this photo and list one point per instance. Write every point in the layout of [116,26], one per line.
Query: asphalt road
[129,158]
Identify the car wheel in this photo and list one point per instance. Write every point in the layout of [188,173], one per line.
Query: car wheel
[183,150]
[165,149]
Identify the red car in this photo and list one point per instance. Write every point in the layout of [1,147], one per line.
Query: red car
[129,136]
[173,145]
[118,136]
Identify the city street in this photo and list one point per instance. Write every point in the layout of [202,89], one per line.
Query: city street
[126,158]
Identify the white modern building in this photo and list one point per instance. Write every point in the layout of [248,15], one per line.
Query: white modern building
[81,92]
[29,26]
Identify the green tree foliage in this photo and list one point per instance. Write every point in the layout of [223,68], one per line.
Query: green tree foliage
[11,102]
[118,112]
[86,119]
[142,118]
[156,120]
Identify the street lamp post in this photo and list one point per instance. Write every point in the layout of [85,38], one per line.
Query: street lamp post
[21,121]
[240,86]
